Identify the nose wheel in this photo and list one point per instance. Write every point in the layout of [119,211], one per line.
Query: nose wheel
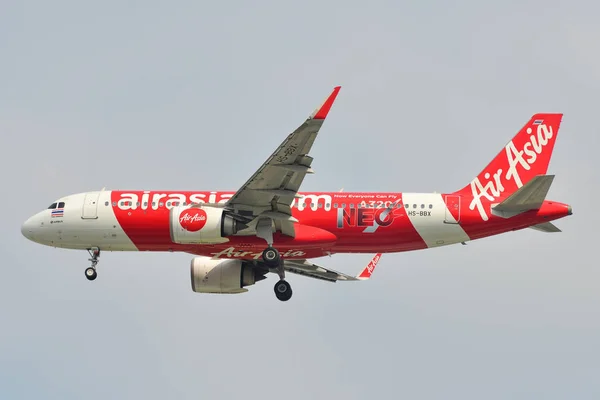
[90,272]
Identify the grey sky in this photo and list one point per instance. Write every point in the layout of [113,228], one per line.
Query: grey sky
[195,95]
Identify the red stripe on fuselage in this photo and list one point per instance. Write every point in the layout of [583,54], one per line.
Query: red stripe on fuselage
[349,217]
[144,217]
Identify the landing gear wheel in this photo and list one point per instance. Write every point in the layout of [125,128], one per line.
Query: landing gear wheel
[283,290]
[271,257]
[90,273]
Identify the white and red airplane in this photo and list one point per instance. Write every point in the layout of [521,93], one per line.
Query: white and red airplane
[269,226]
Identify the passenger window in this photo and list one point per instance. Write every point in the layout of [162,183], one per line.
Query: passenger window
[106,203]
[184,203]
[406,205]
[52,206]
[430,206]
[414,206]
[61,205]
[145,204]
[343,205]
[160,204]
[351,205]
[320,205]
[335,205]
[114,203]
[422,205]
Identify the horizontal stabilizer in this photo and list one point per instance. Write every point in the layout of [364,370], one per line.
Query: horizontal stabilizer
[530,196]
[546,227]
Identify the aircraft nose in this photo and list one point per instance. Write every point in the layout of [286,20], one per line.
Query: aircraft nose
[27,229]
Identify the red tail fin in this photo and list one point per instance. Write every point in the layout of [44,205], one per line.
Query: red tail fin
[524,157]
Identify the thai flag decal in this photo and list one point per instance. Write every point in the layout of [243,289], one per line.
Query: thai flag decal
[57,212]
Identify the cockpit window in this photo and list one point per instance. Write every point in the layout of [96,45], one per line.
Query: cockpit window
[52,206]
[61,205]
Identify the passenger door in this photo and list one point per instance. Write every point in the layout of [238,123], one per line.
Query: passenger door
[90,205]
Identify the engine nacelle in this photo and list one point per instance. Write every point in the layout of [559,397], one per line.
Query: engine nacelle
[222,276]
[201,225]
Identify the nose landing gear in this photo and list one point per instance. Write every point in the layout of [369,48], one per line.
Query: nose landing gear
[90,272]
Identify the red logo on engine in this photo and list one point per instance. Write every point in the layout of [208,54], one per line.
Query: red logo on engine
[193,219]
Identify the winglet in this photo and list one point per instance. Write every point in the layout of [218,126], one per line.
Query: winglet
[323,110]
[368,271]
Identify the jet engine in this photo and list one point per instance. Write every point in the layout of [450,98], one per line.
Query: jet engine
[223,276]
[200,224]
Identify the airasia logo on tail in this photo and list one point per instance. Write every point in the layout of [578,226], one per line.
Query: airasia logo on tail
[517,160]
[193,219]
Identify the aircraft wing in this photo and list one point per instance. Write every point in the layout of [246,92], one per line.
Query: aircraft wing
[311,270]
[270,191]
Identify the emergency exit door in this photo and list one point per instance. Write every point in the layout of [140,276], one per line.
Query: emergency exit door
[452,209]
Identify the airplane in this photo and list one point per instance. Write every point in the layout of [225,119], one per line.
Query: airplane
[269,226]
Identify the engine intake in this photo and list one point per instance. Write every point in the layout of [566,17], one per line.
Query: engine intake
[201,225]
[222,276]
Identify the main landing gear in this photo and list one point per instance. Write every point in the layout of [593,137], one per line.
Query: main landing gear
[90,272]
[283,290]
[272,259]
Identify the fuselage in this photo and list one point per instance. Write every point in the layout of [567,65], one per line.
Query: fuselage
[328,223]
